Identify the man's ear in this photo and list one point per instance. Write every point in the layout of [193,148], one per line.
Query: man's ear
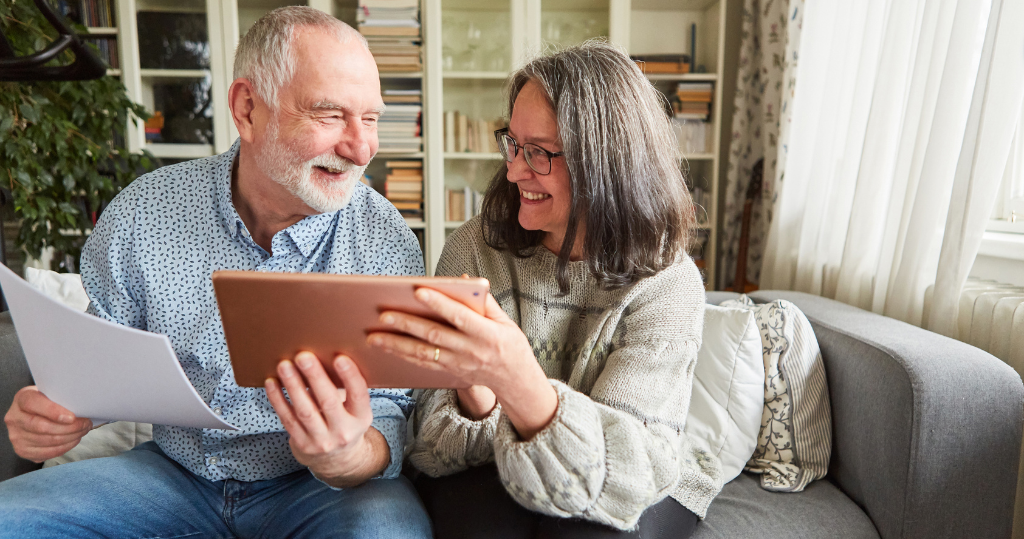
[242,100]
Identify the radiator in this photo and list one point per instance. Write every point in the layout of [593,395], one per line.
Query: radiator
[991,317]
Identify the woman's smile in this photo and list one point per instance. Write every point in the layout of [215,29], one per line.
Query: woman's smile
[532,197]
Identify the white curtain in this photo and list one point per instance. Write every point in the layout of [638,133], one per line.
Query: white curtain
[902,118]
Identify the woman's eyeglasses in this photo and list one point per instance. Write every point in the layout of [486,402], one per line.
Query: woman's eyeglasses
[537,158]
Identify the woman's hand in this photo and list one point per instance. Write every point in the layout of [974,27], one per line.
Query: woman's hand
[488,350]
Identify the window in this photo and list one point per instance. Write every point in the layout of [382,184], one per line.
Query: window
[1008,212]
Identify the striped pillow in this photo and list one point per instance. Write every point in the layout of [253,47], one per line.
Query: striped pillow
[795,442]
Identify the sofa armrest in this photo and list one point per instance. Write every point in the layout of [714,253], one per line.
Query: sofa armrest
[14,375]
[926,429]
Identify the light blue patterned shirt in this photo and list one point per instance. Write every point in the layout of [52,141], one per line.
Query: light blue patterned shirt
[148,264]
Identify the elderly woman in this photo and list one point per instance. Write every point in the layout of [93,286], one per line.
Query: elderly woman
[581,368]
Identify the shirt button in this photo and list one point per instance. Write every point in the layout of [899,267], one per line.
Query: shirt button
[213,460]
[217,410]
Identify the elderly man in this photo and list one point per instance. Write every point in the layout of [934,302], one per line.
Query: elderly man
[286,197]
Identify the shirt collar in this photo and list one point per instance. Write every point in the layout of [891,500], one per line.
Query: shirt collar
[306,234]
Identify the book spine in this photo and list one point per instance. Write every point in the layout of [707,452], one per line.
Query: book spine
[449,131]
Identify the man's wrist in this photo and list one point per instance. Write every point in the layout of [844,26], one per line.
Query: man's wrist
[365,459]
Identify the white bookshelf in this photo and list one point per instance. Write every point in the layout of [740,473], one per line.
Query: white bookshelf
[517,29]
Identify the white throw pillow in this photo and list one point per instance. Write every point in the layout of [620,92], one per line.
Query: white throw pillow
[728,389]
[64,287]
[109,439]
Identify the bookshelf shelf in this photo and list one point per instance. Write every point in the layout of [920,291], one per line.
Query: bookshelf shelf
[102,31]
[694,77]
[699,156]
[453,224]
[401,75]
[174,73]
[113,72]
[479,156]
[493,75]
[415,224]
[399,155]
[180,151]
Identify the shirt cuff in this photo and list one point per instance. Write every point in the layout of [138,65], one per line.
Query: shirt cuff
[389,420]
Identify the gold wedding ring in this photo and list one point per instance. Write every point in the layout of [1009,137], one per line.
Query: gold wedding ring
[437,354]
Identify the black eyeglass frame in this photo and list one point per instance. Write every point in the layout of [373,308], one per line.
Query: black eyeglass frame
[502,133]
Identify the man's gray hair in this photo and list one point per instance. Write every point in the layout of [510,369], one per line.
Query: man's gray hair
[264,54]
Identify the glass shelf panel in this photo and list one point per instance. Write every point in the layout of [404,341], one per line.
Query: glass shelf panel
[182,110]
[571,22]
[476,37]
[250,11]
[173,40]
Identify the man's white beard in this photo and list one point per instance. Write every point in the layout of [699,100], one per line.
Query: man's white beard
[283,165]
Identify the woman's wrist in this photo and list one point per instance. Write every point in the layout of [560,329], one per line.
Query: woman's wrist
[530,403]
[475,402]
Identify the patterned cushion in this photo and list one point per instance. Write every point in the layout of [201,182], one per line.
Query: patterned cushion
[795,442]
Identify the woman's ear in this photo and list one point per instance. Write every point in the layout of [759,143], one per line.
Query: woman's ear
[242,100]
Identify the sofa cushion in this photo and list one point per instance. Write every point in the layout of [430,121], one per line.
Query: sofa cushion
[744,509]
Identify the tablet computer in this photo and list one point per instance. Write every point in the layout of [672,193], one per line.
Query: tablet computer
[269,317]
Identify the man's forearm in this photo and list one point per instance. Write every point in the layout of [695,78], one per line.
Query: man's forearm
[369,460]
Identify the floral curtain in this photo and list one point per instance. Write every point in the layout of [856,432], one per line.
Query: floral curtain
[765,82]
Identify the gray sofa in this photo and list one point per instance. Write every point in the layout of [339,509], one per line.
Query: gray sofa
[926,436]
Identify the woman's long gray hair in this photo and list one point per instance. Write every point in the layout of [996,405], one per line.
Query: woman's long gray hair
[624,163]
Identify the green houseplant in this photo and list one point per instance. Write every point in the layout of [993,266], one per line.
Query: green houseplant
[61,143]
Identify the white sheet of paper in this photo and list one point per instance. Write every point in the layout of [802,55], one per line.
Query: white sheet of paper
[101,370]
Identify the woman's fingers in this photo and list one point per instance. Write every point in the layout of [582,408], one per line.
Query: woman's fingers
[433,333]
[455,313]
[413,350]
[493,311]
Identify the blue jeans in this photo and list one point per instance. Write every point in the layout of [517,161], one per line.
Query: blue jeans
[143,493]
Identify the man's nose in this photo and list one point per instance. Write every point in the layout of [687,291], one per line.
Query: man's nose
[358,143]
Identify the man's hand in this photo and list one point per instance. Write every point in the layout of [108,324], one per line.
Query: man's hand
[41,429]
[329,426]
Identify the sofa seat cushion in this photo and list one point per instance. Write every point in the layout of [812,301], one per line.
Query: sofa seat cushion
[744,509]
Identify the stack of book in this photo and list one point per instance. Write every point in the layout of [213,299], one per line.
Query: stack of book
[694,136]
[663,63]
[392,28]
[396,96]
[692,100]
[107,47]
[465,134]
[93,13]
[398,130]
[404,187]
[461,204]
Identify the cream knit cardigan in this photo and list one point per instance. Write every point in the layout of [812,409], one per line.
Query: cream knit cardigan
[621,362]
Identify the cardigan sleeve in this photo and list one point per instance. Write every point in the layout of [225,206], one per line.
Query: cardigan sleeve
[447,441]
[609,455]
